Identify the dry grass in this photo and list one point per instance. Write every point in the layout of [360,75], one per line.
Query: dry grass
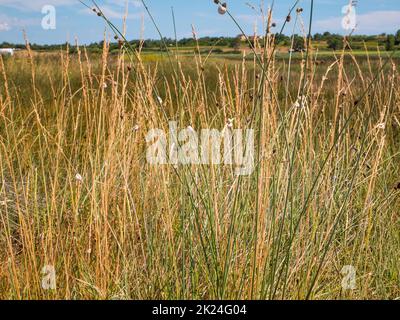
[323,194]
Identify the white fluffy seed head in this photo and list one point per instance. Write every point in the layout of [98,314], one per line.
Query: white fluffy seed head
[381,126]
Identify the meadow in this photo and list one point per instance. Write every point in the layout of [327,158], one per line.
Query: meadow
[318,218]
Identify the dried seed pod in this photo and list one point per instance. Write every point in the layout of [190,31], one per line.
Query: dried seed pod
[222,8]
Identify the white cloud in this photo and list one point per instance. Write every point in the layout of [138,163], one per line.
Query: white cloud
[117,14]
[249,18]
[7,23]
[373,22]
[35,5]
[4,26]
[117,11]
[122,3]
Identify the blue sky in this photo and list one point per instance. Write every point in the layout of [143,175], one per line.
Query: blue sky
[73,20]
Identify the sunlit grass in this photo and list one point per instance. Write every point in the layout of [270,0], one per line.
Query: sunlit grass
[76,191]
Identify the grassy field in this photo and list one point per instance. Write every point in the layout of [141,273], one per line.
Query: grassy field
[77,194]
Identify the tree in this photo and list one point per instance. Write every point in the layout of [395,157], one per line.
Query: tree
[335,43]
[326,35]
[298,43]
[318,37]
[281,39]
[236,43]
[390,42]
[398,37]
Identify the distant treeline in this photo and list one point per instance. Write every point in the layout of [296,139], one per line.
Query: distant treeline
[329,41]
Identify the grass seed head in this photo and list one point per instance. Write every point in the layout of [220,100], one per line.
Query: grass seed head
[78,178]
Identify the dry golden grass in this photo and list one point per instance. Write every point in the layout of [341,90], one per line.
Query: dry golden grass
[322,196]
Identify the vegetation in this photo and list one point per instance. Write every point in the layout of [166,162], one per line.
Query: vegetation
[323,41]
[77,193]
[390,43]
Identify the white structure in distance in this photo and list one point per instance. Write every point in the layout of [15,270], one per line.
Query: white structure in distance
[7,51]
